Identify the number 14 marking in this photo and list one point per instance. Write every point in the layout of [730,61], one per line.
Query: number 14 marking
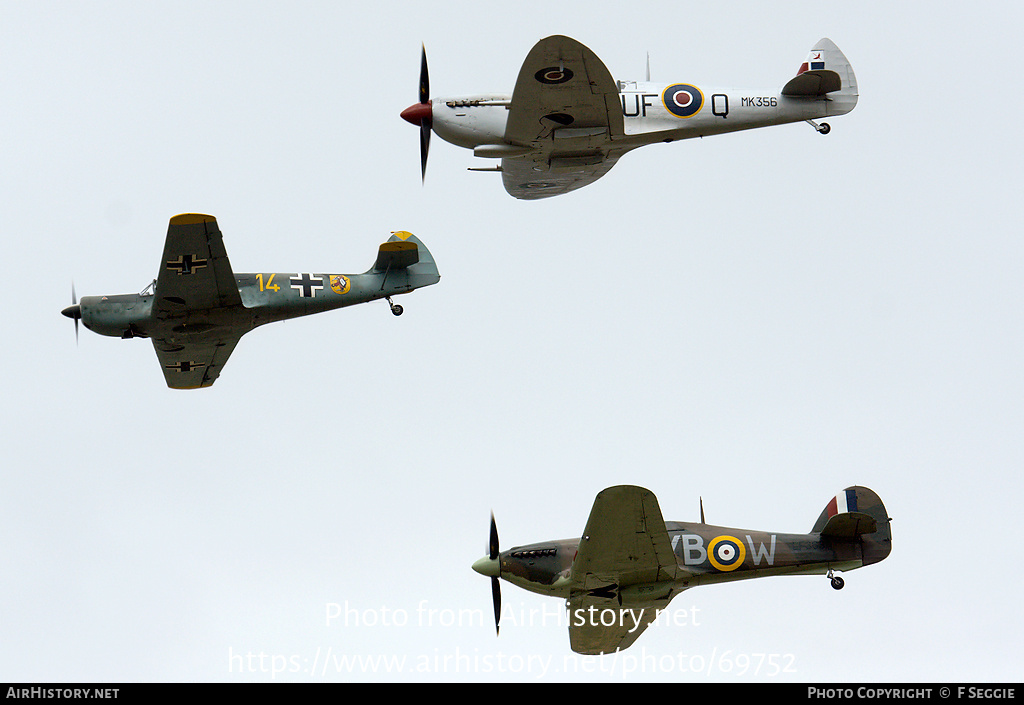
[270,285]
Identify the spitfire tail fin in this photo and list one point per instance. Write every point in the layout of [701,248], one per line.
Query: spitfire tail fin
[825,73]
[857,513]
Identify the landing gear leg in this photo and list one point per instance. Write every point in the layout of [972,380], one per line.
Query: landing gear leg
[837,582]
[824,128]
[395,308]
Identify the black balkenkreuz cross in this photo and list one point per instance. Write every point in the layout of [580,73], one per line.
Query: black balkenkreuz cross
[185,366]
[307,285]
[186,264]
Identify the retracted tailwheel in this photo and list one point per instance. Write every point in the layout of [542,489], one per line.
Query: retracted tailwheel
[395,308]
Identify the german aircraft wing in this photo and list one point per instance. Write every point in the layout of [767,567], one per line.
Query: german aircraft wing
[565,106]
[195,273]
[623,561]
[194,365]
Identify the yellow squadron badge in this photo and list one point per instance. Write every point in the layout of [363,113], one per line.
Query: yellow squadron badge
[340,284]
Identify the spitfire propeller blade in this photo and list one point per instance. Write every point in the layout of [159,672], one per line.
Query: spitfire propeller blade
[424,77]
[424,149]
[421,113]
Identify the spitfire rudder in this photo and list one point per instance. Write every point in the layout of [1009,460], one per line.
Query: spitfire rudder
[825,64]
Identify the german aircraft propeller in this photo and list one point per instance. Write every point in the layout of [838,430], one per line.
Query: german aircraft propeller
[197,309]
[567,121]
[630,563]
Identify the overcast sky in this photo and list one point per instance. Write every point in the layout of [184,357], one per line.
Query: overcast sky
[759,319]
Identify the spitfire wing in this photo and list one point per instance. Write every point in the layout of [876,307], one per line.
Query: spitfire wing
[541,176]
[194,365]
[564,94]
[598,625]
[195,273]
[562,84]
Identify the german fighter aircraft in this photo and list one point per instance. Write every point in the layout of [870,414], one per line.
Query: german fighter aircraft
[567,121]
[630,563]
[197,308]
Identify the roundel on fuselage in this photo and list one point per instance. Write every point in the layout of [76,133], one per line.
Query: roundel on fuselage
[726,553]
[682,100]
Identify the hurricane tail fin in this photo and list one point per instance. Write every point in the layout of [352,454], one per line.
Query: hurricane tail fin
[857,513]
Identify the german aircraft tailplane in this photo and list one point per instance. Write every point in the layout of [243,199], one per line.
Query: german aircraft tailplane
[197,308]
[629,562]
[567,121]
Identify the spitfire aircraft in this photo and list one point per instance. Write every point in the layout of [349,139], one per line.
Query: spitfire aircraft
[630,563]
[567,121]
[197,308]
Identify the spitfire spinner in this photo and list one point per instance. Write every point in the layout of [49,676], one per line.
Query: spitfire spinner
[630,563]
[567,121]
[197,309]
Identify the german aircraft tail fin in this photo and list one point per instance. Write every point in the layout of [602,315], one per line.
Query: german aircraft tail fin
[405,252]
[825,73]
[857,513]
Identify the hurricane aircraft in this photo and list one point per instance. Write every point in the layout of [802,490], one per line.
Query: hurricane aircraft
[568,121]
[629,563]
[197,308]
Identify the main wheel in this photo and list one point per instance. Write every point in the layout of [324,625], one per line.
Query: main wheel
[824,128]
[838,583]
[397,310]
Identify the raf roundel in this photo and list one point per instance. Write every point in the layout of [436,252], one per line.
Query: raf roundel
[726,553]
[553,74]
[683,100]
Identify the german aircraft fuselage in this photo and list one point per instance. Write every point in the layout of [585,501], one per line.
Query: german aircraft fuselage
[266,297]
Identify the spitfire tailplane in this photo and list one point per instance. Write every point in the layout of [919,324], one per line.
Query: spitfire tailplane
[825,73]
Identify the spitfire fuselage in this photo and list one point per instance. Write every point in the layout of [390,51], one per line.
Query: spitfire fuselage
[567,121]
[651,113]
